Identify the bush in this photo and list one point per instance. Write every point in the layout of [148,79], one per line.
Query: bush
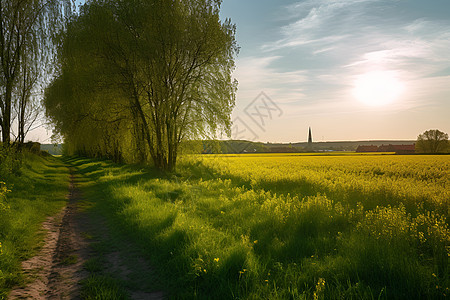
[10,162]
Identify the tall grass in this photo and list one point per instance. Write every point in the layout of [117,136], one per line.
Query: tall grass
[36,191]
[249,229]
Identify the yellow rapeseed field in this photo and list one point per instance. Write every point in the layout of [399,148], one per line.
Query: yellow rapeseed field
[373,180]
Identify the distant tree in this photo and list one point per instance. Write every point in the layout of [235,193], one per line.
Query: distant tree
[432,141]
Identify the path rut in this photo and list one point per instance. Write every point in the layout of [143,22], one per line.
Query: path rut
[56,271]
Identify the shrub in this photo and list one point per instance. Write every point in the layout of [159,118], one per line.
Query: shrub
[10,162]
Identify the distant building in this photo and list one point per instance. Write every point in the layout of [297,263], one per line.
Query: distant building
[402,149]
[370,148]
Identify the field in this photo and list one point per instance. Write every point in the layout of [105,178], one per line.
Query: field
[283,226]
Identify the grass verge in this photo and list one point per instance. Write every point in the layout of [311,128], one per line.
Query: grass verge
[37,191]
[115,266]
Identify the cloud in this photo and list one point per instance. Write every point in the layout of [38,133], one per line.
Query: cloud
[319,23]
[299,9]
[359,29]
[404,48]
[358,36]
[257,74]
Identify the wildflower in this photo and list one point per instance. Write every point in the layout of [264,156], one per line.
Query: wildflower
[320,287]
[255,242]
[216,259]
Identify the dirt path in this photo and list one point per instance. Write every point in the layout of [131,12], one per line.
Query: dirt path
[56,272]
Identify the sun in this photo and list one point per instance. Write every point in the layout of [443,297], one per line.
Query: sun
[377,88]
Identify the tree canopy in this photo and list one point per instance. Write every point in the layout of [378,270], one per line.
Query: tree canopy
[432,141]
[142,76]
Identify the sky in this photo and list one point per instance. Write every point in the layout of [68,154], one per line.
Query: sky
[311,57]
[349,69]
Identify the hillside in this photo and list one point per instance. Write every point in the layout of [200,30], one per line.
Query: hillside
[240,146]
[52,148]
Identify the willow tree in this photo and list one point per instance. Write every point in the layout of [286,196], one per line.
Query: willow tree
[187,56]
[27,108]
[171,60]
[26,31]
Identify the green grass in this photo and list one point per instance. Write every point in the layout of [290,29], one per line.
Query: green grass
[246,227]
[215,234]
[70,260]
[106,279]
[102,287]
[37,191]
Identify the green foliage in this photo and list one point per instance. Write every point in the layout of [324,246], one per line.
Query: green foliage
[433,141]
[98,287]
[37,193]
[236,227]
[3,191]
[141,77]
[10,162]
[27,45]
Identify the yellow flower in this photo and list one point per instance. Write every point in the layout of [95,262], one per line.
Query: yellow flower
[255,242]
[216,259]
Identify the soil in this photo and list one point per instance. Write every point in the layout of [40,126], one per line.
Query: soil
[56,272]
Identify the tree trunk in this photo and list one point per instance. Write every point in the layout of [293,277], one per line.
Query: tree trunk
[139,136]
[6,116]
[21,122]
[140,113]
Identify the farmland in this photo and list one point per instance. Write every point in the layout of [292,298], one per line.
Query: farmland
[284,226]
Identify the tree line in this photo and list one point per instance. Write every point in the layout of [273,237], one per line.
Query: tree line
[138,77]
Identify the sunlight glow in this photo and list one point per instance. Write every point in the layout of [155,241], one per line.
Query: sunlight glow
[377,88]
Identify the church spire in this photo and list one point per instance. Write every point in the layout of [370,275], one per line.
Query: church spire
[309,137]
